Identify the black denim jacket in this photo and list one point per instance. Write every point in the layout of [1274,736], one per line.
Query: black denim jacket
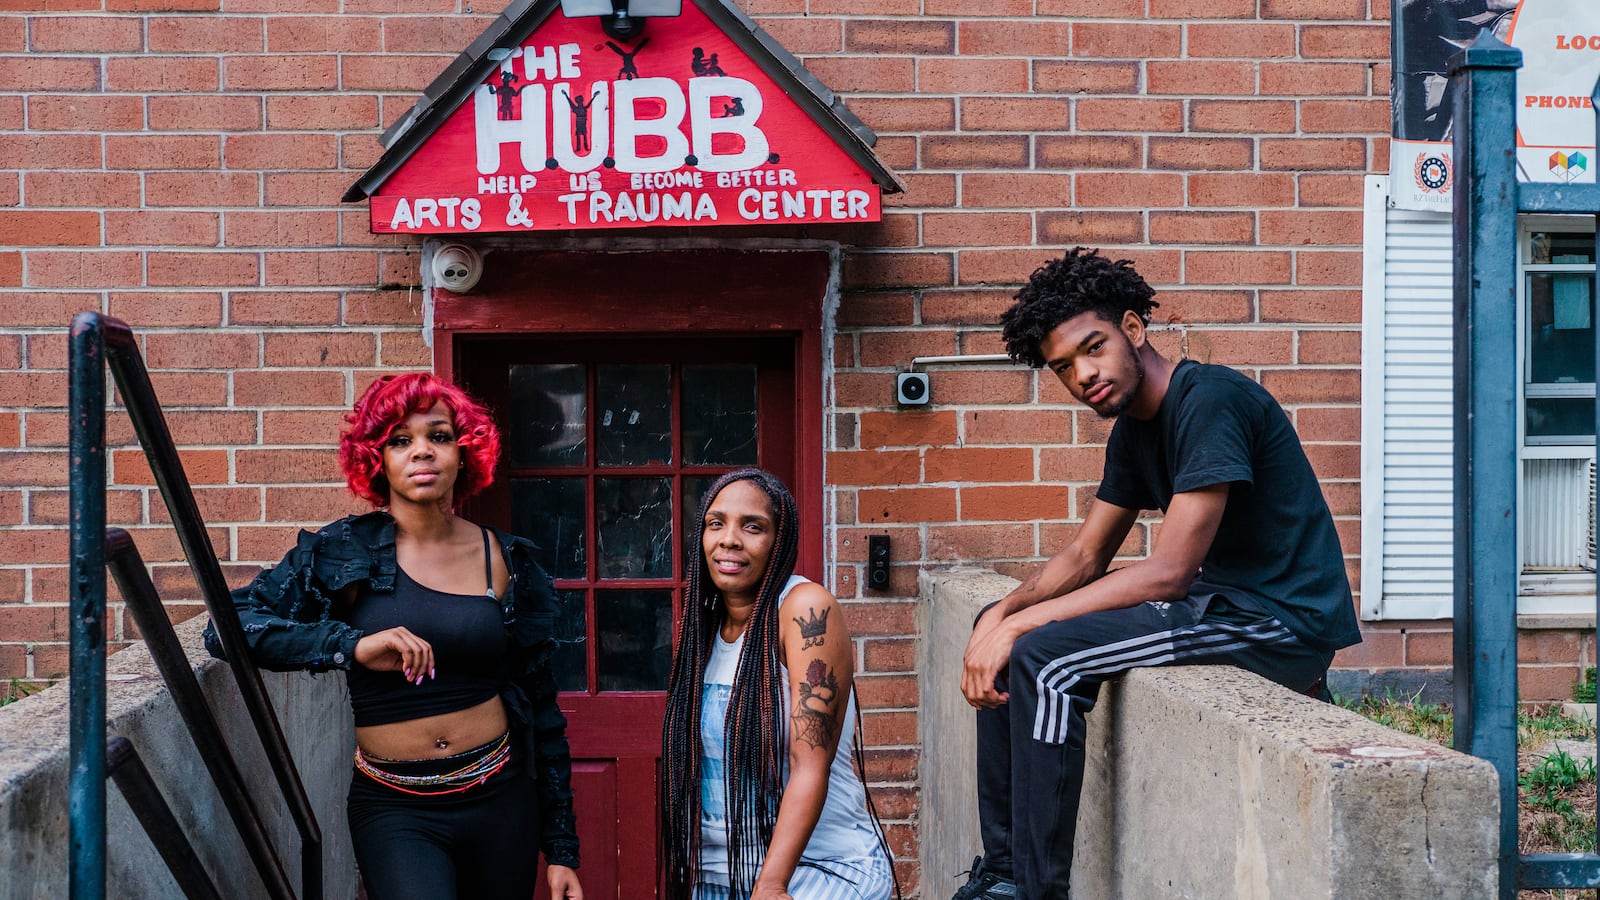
[288,618]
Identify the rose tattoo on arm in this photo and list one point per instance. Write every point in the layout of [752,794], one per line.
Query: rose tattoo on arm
[814,720]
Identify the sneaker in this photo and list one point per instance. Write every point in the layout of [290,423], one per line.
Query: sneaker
[983,884]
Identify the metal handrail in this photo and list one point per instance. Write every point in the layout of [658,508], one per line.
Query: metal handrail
[97,342]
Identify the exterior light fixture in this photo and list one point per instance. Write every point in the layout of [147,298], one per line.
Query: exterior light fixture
[622,19]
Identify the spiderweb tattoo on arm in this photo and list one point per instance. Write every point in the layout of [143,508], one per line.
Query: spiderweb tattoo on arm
[814,720]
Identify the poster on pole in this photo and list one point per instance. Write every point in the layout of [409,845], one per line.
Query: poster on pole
[1560,44]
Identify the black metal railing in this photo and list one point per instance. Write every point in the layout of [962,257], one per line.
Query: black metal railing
[96,343]
[1487,200]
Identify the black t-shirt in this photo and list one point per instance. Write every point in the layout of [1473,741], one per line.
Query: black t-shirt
[1276,548]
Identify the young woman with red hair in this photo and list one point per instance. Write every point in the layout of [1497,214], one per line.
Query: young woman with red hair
[443,629]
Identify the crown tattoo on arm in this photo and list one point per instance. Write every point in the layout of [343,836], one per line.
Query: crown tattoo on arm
[814,628]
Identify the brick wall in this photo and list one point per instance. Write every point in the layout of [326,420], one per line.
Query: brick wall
[178,164]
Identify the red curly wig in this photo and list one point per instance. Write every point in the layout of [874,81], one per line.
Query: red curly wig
[387,403]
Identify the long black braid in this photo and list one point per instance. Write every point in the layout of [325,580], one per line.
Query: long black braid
[754,754]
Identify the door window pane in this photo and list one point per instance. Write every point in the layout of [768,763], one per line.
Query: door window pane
[1560,328]
[1561,248]
[549,512]
[633,517]
[693,490]
[635,640]
[1560,417]
[719,415]
[633,415]
[569,664]
[548,407]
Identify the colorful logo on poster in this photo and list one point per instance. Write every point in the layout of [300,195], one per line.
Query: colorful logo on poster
[1568,166]
[1433,172]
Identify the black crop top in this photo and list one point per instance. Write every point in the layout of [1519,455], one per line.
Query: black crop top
[468,636]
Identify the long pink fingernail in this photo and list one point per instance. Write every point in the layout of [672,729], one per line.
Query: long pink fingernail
[408,673]
[431,675]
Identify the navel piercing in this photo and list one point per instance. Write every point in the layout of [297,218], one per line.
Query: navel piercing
[441,743]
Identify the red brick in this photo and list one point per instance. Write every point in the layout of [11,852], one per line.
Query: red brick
[389,72]
[28,228]
[281,229]
[163,5]
[1192,78]
[85,34]
[322,268]
[966,9]
[204,189]
[1040,425]
[1248,189]
[886,691]
[980,543]
[204,269]
[219,505]
[77,112]
[1122,40]
[305,349]
[381,308]
[924,190]
[1029,502]
[1087,152]
[322,112]
[856,74]
[1205,306]
[1331,268]
[311,504]
[152,74]
[974,151]
[10,269]
[1085,77]
[971,76]
[293,426]
[900,36]
[891,729]
[1378,649]
[1241,348]
[905,114]
[167,310]
[1127,115]
[1242,116]
[1311,227]
[905,504]
[1106,9]
[158,228]
[1236,267]
[964,307]
[216,351]
[1188,154]
[31,468]
[1331,190]
[405,350]
[287,466]
[977,464]
[1091,228]
[211,427]
[65,151]
[1299,79]
[161,151]
[979,386]
[898,269]
[10,430]
[102,190]
[880,309]
[1313,9]
[94,269]
[346,34]
[190,388]
[1142,190]
[205,34]
[873,467]
[896,348]
[1240,40]
[281,151]
[129,467]
[1027,38]
[1330,347]
[1202,227]
[1202,9]
[1344,41]
[908,429]
[1008,113]
[301,72]
[283,308]
[1016,189]
[1344,116]
[26,74]
[270,388]
[1081,464]
[202,112]
[400,34]
[806,35]
[976,229]
[1329,423]
[39,621]
[1313,386]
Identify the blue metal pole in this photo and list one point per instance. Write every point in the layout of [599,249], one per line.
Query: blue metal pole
[1486,384]
[86,442]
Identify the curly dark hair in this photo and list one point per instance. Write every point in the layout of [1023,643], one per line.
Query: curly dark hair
[1080,281]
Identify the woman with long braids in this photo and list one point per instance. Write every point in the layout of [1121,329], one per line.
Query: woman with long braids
[761,799]
[462,770]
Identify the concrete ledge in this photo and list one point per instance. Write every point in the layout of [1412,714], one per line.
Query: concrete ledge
[1215,783]
[33,779]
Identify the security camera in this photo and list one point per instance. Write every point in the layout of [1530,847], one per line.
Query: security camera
[457,267]
[911,389]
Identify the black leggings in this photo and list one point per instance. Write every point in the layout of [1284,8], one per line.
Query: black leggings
[483,842]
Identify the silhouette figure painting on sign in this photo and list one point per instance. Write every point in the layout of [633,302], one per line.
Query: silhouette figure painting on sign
[629,71]
[580,120]
[736,108]
[702,67]
[505,91]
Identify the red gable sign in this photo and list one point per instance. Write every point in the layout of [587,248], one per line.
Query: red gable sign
[576,130]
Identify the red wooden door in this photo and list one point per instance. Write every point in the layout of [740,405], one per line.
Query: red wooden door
[609,443]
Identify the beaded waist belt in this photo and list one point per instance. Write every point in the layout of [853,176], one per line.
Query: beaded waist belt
[477,770]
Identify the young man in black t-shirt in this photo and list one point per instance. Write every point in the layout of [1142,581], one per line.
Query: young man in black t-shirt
[1246,569]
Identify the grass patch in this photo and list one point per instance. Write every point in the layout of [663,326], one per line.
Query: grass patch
[1556,812]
